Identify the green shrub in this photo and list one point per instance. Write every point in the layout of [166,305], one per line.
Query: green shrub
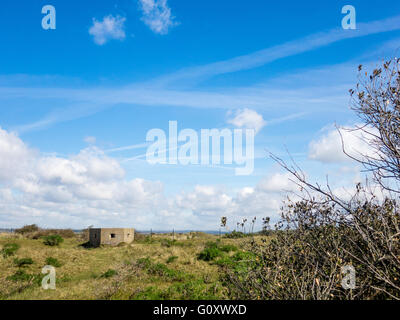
[209,253]
[240,263]
[172,259]
[159,269]
[9,249]
[151,293]
[162,270]
[193,290]
[213,250]
[189,290]
[212,244]
[109,273]
[169,243]
[53,262]
[228,248]
[23,262]
[20,275]
[53,240]
[144,262]
[236,235]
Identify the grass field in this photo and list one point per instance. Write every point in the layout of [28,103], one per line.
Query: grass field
[156,268]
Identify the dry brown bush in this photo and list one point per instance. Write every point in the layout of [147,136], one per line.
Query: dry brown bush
[321,233]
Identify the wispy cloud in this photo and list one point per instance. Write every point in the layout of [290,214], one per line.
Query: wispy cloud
[309,98]
[111,28]
[157,15]
[126,148]
[309,94]
[291,48]
[285,118]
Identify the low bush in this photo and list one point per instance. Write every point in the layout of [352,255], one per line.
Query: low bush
[21,275]
[53,262]
[23,262]
[189,290]
[9,249]
[236,235]
[27,229]
[172,259]
[151,293]
[210,252]
[163,271]
[169,243]
[193,290]
[144,262]
[159,269]
[53,240]
[240,263]
[228,248]
[109,273]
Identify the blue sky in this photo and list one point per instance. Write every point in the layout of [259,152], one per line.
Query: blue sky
[76,104]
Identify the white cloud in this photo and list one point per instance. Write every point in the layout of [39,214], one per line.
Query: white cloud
[110,28]
[205,201]
[91,188]
[208,204]
[249,119]
[328,148]
[157,15]
[15,156]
